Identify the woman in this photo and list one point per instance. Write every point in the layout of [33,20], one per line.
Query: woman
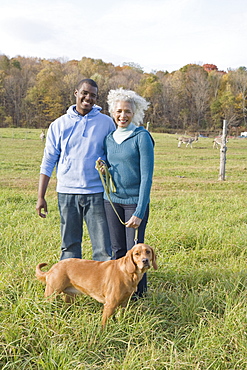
[130,158]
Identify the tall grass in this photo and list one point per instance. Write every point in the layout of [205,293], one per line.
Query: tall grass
[195,313]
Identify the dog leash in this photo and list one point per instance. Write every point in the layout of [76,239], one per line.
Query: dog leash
[108,186]
[136,236]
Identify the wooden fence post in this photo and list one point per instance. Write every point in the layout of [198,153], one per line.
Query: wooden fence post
[223,150]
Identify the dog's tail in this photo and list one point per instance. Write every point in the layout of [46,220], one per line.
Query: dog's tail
[41,275]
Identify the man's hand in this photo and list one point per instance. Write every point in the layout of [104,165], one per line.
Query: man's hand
[41,204]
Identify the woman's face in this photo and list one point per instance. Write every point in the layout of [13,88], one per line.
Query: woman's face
[123,114]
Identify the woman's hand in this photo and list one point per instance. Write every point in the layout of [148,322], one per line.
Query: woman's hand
[134,222]
[101,165]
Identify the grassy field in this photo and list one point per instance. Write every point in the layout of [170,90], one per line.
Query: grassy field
[195,314]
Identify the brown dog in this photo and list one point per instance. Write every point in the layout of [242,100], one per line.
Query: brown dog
[110,282]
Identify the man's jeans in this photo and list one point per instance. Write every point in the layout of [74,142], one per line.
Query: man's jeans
[74,208]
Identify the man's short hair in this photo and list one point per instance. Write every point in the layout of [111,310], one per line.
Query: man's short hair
[87,81]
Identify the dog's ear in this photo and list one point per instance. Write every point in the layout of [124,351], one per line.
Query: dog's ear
[129,263]
[155,266]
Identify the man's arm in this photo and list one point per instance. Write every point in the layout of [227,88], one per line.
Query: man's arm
[41,203]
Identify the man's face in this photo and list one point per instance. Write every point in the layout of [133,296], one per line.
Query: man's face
[86,97]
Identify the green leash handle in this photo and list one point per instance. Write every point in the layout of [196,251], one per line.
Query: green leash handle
[107,183]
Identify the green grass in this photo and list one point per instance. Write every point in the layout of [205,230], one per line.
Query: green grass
[195,314]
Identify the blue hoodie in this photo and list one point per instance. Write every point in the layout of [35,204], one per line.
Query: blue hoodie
[73,144]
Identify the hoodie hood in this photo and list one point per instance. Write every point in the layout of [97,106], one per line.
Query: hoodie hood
[74,114]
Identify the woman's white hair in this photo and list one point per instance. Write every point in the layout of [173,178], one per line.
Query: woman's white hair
[139,104]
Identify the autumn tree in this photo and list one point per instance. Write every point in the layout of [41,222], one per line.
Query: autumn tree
[18,79]
[125,77]
[4,66]
[238,80]
[226,106]
[45,98]
[196,94]
[151,89]
[175,111]
[71,77]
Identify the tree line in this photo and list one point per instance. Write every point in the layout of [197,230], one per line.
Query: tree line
[34,92]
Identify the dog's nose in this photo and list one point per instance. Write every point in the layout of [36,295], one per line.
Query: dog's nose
[145,261]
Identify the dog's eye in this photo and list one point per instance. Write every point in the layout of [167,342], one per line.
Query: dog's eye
[137,254]
[148,252]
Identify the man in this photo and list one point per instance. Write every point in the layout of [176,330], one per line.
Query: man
[74,142]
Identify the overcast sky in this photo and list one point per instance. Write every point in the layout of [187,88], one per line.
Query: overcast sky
[156,34]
